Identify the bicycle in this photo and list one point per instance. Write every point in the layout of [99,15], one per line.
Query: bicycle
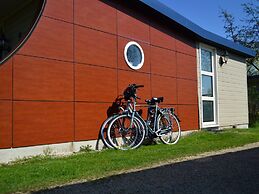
[161,122]
[122,108]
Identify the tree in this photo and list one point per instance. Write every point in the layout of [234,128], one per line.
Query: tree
[246,34]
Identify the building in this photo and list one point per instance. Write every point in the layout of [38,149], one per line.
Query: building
[64,62]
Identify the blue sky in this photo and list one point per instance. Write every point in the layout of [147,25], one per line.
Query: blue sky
[205,13]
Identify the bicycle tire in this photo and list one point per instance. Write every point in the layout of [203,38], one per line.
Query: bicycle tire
[104,129]
[117,134]
[169,126]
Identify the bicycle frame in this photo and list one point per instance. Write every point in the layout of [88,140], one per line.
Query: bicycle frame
[132,113]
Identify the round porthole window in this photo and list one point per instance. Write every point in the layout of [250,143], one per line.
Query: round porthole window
[134,55]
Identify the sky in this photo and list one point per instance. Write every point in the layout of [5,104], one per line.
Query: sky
[205,13]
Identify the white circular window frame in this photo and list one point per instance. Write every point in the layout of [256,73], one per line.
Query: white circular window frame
[126,58]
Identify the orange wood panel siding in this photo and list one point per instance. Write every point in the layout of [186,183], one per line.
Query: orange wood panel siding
[42,79]
[6,81]
[5,124]
[59,85]
[51,39]
[42,123]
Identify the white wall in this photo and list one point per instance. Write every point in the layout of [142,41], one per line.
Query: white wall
[61,149]
[232,92]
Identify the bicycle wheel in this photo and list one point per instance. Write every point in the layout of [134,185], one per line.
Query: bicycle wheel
[104,129]
[169,128]
[126,133]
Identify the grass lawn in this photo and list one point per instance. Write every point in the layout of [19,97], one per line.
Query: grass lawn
[42,172]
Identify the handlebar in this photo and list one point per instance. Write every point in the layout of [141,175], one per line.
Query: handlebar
[139,86]
[130,91]
[135,86]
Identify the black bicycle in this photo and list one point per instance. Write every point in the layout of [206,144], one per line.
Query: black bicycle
[128,129]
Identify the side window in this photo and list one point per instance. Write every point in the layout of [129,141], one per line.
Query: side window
[207,87]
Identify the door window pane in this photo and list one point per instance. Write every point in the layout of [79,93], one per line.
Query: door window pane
[206,60]
[208,111]
[207,86]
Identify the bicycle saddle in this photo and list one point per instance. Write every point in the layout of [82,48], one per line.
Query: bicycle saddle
[154,100]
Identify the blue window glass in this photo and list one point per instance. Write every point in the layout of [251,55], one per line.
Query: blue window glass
[208,111]
[206,60]
[207,86]
[134,55]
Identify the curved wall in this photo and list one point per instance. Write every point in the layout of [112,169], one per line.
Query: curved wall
[18,20]
[59,85]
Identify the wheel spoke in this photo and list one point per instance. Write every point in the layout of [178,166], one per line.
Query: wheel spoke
[124,133]
[171,124]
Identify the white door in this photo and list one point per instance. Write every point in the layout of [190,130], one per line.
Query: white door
[208,91]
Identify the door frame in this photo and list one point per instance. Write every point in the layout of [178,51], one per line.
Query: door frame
[214,85]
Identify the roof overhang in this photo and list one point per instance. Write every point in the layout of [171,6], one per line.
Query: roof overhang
[201,34]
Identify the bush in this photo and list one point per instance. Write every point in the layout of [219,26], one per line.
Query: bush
[253,104]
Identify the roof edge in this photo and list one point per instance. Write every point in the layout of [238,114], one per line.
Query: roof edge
[202,34]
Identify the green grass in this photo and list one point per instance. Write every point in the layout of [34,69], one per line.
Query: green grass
[42,172]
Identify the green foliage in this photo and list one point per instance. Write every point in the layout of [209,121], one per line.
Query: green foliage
[253,99]
[87,148]
[47,151]
[247,33]
[254,95]
[39,173]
